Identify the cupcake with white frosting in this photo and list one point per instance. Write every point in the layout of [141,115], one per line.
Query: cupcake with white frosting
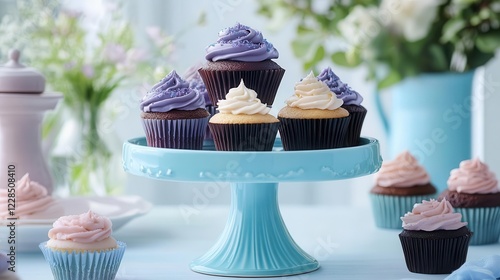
[81,247]
[399,184]
[243,122]
[434,238]
[473,191]
[313,118]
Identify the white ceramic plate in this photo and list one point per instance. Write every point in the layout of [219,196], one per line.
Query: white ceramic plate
[31,232]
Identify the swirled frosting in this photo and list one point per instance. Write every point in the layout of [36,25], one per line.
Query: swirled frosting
[85,228]
[473,176]
[432,215]
[342,90]
[241,43]
[172,93]
[310,93]
[242,100]
[30,198]
[403,171]
[196,82]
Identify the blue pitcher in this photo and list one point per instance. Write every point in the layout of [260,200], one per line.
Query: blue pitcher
[431,117]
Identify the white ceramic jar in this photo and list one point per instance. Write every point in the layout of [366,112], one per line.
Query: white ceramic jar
[23,103]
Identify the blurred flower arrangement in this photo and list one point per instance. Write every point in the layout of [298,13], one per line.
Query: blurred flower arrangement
[87,67]
[393,38]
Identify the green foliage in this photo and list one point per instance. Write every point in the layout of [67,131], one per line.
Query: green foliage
[402,38]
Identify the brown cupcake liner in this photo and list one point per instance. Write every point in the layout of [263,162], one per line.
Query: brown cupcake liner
[264,82]
[427,253]
[313,134]
[358,114]
[175,134]
[244,137]
[212,110]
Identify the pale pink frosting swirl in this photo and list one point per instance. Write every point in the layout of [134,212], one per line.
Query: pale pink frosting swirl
[85,228]
[473,176]
[432,215]
[403,171]
[30,198]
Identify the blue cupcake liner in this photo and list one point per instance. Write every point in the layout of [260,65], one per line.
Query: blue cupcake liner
[388,209]
[484,222]
[84,265]
[176,134]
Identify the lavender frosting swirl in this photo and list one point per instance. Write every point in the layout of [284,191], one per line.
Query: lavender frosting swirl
[172,93]
[196,82]
[342,90]
[241,43]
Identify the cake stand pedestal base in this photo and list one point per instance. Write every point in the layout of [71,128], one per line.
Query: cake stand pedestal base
[255,241]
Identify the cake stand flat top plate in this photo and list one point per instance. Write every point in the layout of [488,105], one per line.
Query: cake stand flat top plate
[251,167]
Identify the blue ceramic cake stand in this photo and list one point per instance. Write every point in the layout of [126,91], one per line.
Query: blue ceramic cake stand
[255,241]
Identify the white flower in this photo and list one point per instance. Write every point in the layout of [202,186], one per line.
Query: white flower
[411,18]
[360,26]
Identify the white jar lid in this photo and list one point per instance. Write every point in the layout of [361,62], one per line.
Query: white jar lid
[17,78]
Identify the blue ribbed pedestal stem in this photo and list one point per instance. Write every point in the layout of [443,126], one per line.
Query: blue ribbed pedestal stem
[255,241]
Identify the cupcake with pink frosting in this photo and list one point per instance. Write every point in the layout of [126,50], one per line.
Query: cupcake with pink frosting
[399,184]
[32,201]
[434,238]
[81,247]
[473,191]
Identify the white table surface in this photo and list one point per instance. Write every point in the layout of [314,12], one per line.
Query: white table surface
[162,243]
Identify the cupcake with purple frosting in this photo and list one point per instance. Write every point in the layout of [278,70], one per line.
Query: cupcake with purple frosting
[174,115]
[241,53]
[352,103]
[195,82]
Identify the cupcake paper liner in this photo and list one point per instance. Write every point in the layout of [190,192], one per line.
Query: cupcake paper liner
[84,265]
[264,82]
[434,255]
[244,137]
[483,222]
[358,114]
[212,110]
[313,134]
[388,209]
[175,134]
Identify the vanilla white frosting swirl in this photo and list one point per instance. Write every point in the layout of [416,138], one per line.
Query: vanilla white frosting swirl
[85,228]
[403,171]
[242,100]
[432,215]
[473,176]
[310,93]
[30,198]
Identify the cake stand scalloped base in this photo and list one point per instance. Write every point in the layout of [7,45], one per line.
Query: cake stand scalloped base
[255,241]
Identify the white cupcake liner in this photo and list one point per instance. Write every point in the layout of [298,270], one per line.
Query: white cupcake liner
[67,265]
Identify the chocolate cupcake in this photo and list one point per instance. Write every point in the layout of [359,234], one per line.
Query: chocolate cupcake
[399,184]
[313,118]
[434,240]
[473,191]
[243,122]
[174,115]
[352,103]
[241,53]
